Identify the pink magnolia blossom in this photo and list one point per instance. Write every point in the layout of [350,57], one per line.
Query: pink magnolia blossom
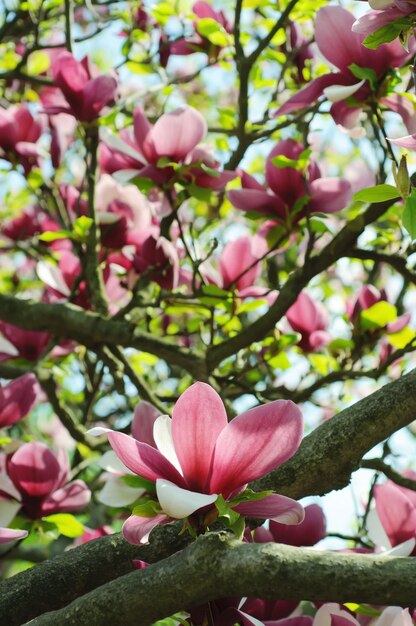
[367,297]
[342,47]
[310,319]
[19,132]
[17,342]
[23,226]
[392,523]
[11,534]
[384,12]
[175,136]
[332,614]
[283,200]
[17,398]
[35,480]
[199,43]
[85,93]
[311,530]
[199,455]
[62,126]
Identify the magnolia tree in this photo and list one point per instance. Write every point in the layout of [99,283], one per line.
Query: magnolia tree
[207,274]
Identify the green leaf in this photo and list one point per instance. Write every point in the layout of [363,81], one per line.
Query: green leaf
[249,495]
[82,227]
[379,193]
[200,193]
[362,609]
[409,214]
[66,523]
[150,508]
[54,235]
[386,33]
[402,338]
[378,315]
[226,512]
[213,31]
[365,73]
[137,482]
[239,527]
[38,62]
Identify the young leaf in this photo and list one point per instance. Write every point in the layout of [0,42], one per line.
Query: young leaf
[66,523]
[409,214]
[379,193]
[378,315]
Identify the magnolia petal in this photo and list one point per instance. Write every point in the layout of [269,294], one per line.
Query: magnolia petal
[395,616]
[145,415]
[307,533]
[308,95]
[276,507]
[254,443]
[256,200]
[408,141]
[111,463]
[198,418]
[402,549]
[162,434]
[335,40]
[336,93]
[136,529]
[329,195]
[397,513]
[326,614]
[140,458]
[375,530]
[116,493]
[8,510]
[179,503]
[176,133]
[34,469]
[52,276]
[11,534]
[6,347]
[73,497]
[112,141]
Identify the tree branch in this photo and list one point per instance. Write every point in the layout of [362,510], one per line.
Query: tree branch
[217,565]
[89,328]
[340,245]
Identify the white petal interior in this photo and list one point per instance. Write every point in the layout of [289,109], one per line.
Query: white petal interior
[51,275]
[116,493]
[336,93]
[376,531]
[179,503]
[162,434]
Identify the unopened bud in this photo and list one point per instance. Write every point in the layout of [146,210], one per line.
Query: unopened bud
[401,177]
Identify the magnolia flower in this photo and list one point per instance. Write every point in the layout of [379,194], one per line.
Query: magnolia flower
[332,615]
[384,12]
[392,522]
[17,398]
[85,93]
[34,480]
[174,137]
[285,199]
[342,48]
[309,318]
[199,455]
[19,133]
[17,342]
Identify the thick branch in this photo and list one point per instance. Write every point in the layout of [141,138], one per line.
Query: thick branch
[337,248]
[219,566]
[328,456]
[324,462]
[88,328]
[55,583]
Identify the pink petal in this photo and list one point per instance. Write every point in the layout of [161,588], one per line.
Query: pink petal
[372,21]
[307,315]
[198,418]
[408,141]
[404,107]
[144,418]
[73,497]
[397,513]
[34,469]
[137,529]
[327,612]
[309,94]
[286,182]
[142,128]
[177,133]
[329,195]
[17,398]
[254,443]
[307,533]
[236,257]
[258,201]
[69,75]
[347,116]
[283,509]
[11,534]
[142,459]
[97,94]
[335,39]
